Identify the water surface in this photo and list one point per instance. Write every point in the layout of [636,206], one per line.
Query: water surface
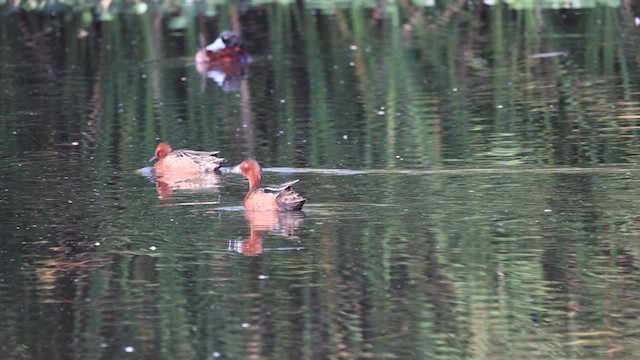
[471,180]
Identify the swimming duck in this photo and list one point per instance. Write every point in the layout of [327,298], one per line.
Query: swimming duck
[184,161]
[276,198]
[228,47]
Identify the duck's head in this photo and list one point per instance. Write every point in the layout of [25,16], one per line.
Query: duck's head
[163,149]
[227,40]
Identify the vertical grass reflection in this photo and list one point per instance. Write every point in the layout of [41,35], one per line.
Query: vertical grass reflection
[400,265]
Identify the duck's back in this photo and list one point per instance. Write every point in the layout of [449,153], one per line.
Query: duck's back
[275,198]
[290,200]
[203,161]
[287,198]
[176,163]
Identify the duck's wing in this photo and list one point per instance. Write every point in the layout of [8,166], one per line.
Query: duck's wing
[276,189]
[195,153]
[201,157]
[205,160]
[290,200]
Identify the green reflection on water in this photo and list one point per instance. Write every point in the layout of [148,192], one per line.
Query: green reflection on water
[466,236]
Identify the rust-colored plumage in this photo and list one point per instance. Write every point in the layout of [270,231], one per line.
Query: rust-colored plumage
[184,162]
[276,198]
[228,47]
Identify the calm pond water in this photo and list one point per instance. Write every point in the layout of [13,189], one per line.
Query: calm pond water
[471,173]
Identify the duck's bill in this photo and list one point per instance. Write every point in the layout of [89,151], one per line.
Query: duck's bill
[153,158]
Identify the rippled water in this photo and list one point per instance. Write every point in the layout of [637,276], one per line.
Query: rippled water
[465,200]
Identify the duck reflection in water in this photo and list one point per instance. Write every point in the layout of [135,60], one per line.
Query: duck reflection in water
[184,170]
[168,185]
[69,264]
[281,223]
[224,61]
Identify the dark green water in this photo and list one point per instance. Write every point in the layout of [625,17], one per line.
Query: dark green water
[466,200]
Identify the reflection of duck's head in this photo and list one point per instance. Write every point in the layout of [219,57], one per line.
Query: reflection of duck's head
[281,197]
[228,47]
[184,161]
